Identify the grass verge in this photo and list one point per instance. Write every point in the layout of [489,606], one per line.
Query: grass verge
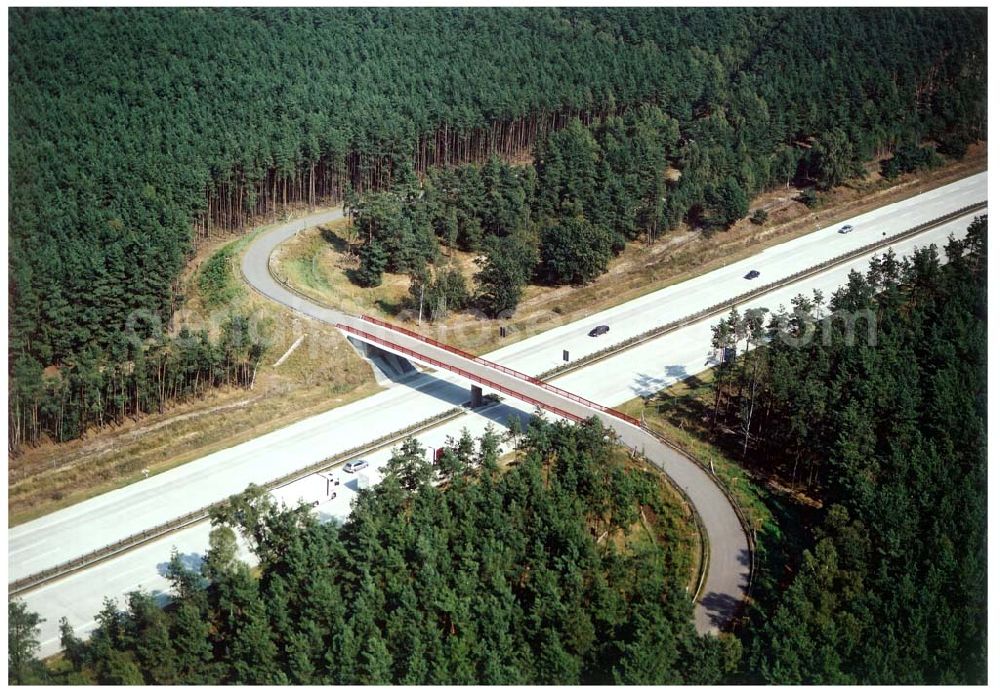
[780,519]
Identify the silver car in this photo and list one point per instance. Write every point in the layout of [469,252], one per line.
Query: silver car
[355,465]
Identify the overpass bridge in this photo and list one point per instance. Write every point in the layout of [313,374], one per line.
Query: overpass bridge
[729,555]
[477,370]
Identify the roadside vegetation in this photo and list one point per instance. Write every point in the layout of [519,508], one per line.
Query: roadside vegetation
[569,567]
[323,262]
[892,437]
[861,464]
[592,189]
[663,142]
[775,513]
[217,284]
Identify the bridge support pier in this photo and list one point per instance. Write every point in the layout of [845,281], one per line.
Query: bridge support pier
[476,396]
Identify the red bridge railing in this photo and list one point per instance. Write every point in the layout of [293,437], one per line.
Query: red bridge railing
[483,362]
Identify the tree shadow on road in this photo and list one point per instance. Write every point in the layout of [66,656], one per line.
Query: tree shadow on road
[190,561]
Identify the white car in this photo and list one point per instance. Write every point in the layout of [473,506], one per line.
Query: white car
[355,466]
[846,228]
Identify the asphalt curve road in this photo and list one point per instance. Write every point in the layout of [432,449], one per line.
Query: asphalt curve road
[642,370]
[728,575]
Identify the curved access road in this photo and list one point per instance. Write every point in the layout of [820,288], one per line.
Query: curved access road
[729,552]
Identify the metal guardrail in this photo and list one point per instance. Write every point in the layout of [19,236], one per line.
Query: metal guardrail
[704,546]
[704,550]
[468,375]
[654,333]
[724,306]
[133,541]
[43,577]
[285,284]
[748,528]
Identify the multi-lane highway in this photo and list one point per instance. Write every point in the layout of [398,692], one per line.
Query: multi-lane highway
[648,367]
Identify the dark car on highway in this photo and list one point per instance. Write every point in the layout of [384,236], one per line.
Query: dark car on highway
[599,330]
[752,274]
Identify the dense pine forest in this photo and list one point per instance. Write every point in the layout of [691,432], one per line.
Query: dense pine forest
[135,132]
[891,436]
[568,568]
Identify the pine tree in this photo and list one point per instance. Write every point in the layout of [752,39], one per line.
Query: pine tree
[22,644]
[574,251]
[409,466]
[373,263]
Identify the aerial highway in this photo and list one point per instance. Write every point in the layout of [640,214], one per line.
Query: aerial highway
[646,368]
